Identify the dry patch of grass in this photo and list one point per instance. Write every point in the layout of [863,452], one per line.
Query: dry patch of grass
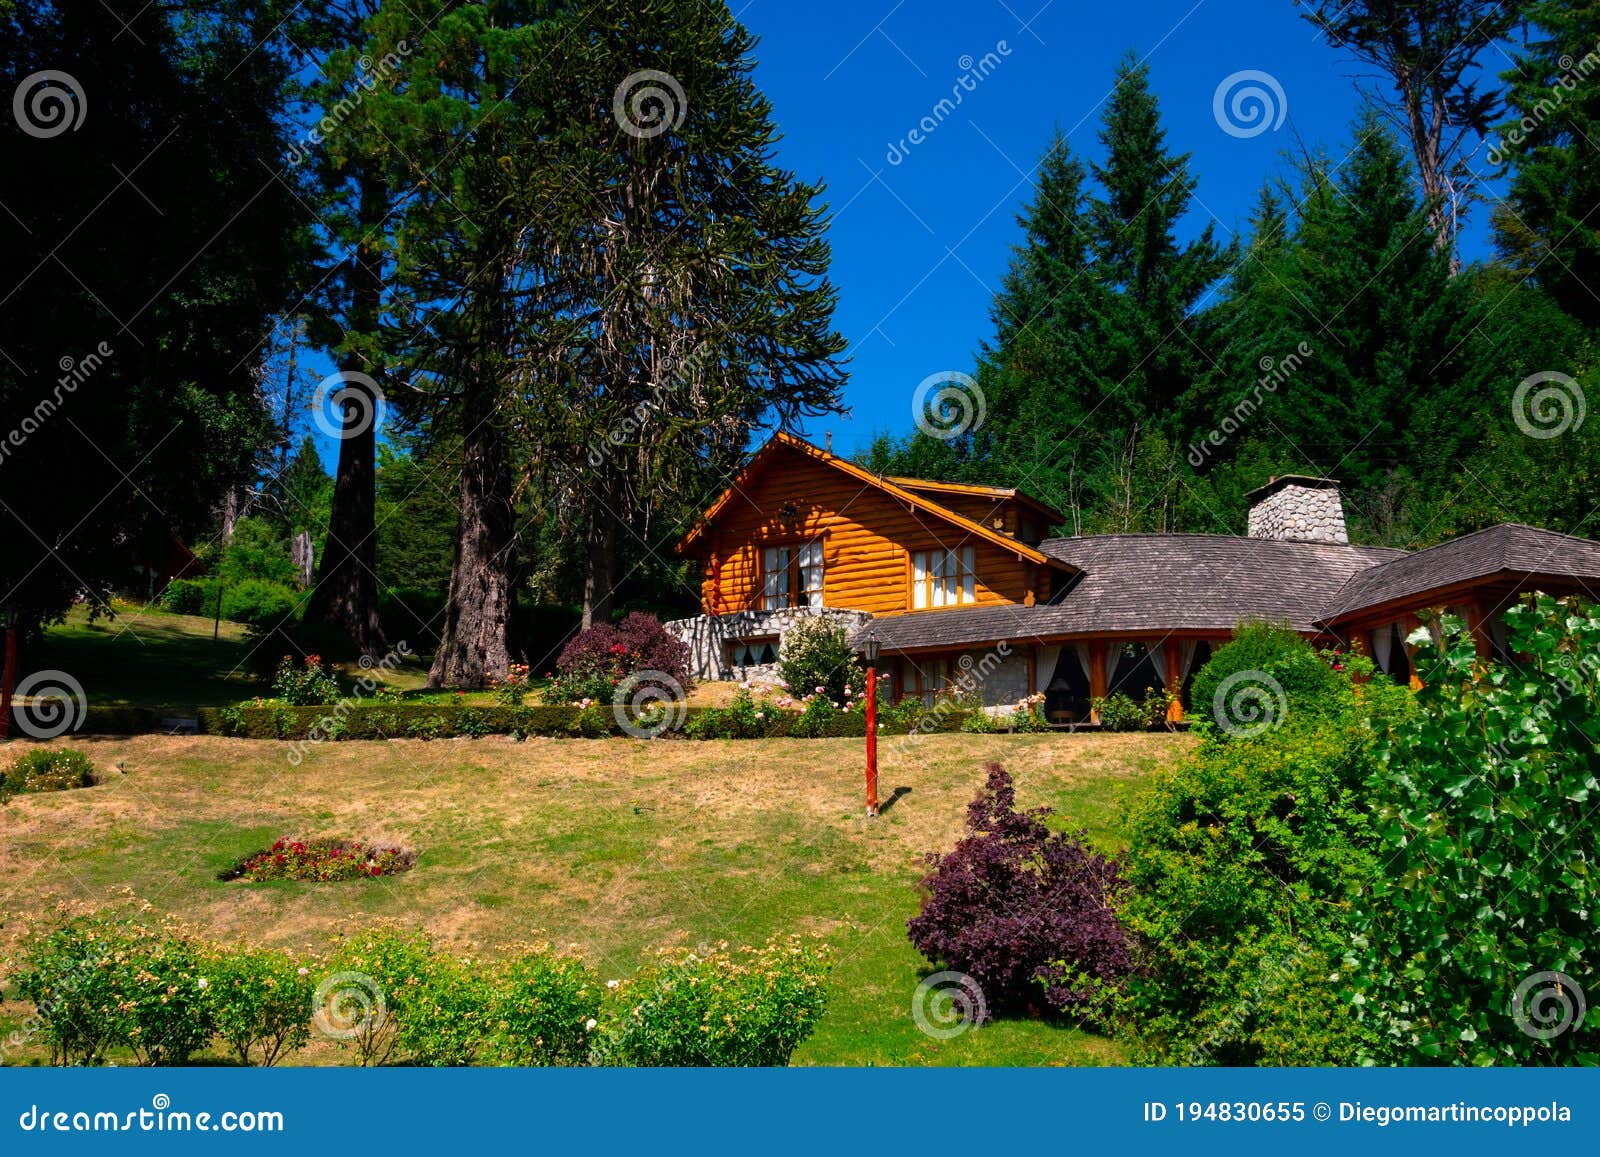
[613,845]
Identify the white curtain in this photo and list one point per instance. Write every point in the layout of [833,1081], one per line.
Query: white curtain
[1113,657]
[1044,667]
[1186,650]
[1158,660]
[1083,660]
[1382,642]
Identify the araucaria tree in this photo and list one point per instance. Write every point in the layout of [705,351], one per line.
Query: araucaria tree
[692,302]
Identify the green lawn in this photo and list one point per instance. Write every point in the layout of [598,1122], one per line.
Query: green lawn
[613,845]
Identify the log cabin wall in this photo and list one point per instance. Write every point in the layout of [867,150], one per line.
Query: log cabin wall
[867,538]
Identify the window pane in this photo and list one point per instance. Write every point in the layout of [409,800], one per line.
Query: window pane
[969,580]
[919,580]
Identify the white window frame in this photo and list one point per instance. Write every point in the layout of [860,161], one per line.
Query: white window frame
[944,578]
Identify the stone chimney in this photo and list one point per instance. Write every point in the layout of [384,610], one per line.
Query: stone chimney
[1298,508]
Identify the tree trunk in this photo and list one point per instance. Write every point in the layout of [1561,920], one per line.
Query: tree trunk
[600,572]
[475,647]
[346,594]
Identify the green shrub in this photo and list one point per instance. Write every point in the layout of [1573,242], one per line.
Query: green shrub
[816,719]
[46,769]
[1242,862]
[594,722]
[816,659]
[1118,712]
[1265,675]
[188,597]
[260,603]
[305,684]
[367,990]
[544,1002]
[447,1012]
[1482,919]
[750,1006]
[259,1000]
[75,975]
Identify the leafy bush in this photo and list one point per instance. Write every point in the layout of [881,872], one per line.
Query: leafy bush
[368,986]
[323,859]
[750,1006]
[1241,866]
[816,659]
[741,719]
[188,597]
[1487,896]
[544,1002]
[597,660]
[1118,712]
[305,684]
[1026,912]
[1267,674]
[512,691]
[259,1000]
[46,769]
[447,1012]
[259,603]
[816,718]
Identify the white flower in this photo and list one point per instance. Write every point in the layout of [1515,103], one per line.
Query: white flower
[589,1025]
[304,972]
[819,690]
[204,983]
[761,714]
[613,983]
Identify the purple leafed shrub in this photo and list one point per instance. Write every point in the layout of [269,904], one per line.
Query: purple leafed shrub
[1026,912]
[598,659]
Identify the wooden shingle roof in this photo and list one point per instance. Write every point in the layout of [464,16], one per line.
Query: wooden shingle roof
[1509,550]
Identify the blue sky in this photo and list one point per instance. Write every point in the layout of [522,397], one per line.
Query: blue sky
[920,241]
[919,245]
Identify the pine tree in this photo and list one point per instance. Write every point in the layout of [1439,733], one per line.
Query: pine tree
[1549,227]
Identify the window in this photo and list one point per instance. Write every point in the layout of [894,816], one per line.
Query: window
[943,578]
[791,577]
[752,652]
[925,680]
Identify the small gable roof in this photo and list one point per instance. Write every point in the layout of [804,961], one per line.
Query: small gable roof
[783,440]
[998,493]
[1510,550]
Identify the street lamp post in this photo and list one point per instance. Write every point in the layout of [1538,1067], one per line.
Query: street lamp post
[869,645]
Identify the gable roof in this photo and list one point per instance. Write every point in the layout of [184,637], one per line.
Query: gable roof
[998,493]
[1154,583]
[1511,550]
[784,440]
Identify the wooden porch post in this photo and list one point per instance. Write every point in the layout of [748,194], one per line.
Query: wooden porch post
[1411,623]
[1097,674]
[1478,624]
[1174,679]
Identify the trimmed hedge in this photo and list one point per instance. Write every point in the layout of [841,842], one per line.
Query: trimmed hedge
[427,721]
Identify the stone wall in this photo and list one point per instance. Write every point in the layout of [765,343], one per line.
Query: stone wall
[1298,513]
[708,637]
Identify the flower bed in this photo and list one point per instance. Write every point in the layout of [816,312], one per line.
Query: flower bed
[322,860]
[44,770]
